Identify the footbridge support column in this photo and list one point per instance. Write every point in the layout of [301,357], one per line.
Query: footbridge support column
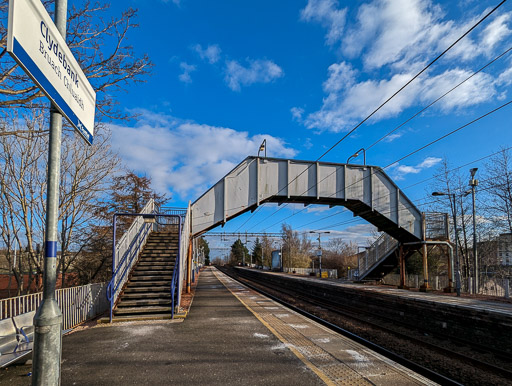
[401,261]
[189,266]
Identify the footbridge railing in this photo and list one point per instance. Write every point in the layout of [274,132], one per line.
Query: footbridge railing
[365,190]
[125,252]
[374,254]
[181,262]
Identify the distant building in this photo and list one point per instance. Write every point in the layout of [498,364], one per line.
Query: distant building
[505,249]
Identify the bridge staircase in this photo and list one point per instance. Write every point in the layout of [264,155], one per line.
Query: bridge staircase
[148,264]
[147,293]
[382,257]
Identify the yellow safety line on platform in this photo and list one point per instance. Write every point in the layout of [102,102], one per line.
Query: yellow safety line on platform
[288,344]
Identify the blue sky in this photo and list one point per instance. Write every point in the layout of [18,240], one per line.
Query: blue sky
[301,74]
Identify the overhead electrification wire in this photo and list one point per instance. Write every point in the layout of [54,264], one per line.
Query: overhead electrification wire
[346,222]
[384,103]
[413,78]
[420,148]
[438,99]
[380,106]
[408,187]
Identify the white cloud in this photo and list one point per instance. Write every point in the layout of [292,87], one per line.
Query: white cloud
[326,13]
[394,39]
[429,162]
[211,53]
[186,157]
[258,71]
[348,100]
[187,70]
[297,113]
[496,31]
[392,137]
[361,234]
[318,209]
[400,171]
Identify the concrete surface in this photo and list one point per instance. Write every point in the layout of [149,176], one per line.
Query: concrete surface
[220,342]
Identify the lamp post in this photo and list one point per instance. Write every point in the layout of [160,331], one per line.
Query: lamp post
[263,147]
[474,183]
[356,154]
[319,250]
[457,267]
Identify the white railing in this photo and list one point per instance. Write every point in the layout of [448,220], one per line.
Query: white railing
[488,286]
[184,245]
[77,304]
[126,251]
[376,252]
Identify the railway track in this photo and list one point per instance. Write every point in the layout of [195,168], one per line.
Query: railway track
[460,366]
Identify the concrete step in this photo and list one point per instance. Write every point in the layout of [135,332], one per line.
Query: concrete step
[153,283]
[165,294]
[135,318]
[142,289]
[167,254]
[144,303]
[142,310]
[156,267]
[160,249]
[162,272]
[156,260]
[150,277]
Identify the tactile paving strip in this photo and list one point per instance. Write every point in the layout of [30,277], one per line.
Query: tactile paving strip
[339,362]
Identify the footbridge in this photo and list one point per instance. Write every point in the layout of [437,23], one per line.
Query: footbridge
[365,190]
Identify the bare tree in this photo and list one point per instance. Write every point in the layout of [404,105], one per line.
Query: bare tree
[498,183]
[340,255]
[296,249]
[86,174]
[100,47]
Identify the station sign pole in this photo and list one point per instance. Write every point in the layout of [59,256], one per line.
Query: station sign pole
[38,45]
[48,320]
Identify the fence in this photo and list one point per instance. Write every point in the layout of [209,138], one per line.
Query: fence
[488,286]
[77,304]
[332,273]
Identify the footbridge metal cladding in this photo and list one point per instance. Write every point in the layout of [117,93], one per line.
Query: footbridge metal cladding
[365,190]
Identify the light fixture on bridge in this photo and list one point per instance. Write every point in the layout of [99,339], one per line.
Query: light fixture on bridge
[356,154]
[263,147]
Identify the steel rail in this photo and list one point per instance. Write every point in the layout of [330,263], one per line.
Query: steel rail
[430,374]
[333,307]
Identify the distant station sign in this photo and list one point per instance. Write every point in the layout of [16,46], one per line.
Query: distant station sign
[35,43]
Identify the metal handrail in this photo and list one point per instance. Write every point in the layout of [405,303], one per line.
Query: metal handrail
[112,285]
[373,254]
[184,244]
[121,269]
[125,249]
[176,270]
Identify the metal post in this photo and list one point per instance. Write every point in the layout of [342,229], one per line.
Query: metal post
[457,262]
[401,259]
[48,320]
[425,286]
[189,266]
[475,250]
[281,256]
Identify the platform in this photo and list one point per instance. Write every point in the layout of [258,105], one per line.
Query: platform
[232,335]
[465,302]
